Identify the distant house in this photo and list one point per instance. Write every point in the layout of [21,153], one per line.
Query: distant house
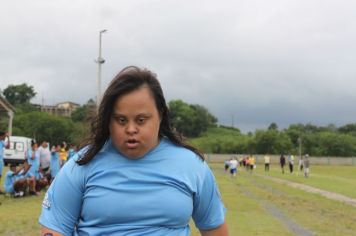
[60,109]
[5,106]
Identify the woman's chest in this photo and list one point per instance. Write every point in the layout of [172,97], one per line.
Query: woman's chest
[137,197]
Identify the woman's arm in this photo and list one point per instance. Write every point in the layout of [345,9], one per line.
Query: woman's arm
[48,232]
[222,230]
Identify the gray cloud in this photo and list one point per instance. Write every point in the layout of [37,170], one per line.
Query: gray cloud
[255,61]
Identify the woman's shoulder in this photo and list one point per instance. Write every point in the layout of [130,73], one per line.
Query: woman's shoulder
[180,155]
[174,149]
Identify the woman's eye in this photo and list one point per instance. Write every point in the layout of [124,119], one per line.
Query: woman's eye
[121,120]
[141,120]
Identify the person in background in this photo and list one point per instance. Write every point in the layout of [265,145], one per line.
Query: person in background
[282,162]
[300,165]
[240,161]
[63,153]
[13,183]
[306,166]
[226,165]
[41,182]
[3,145]
[291,163]
[45,159]
[55,161]
[72,151]
[233,166]
[33,159]
[252,163]
[267,162]
[247,163]
[134,176]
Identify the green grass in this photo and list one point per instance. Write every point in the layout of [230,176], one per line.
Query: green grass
[255,205]
[339,179]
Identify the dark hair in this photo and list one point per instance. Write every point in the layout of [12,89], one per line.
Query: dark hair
[33,142]
[126,81]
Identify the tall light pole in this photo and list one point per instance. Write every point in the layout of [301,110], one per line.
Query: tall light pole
[100,61]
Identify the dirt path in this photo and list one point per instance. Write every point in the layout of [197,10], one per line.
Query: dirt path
[324,193]
[274,211]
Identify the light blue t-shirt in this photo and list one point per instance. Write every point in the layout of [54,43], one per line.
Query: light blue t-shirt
[113,195]
[71,153]
[54,164]
[2,146]
[35,163]
[10,179]
[9,182]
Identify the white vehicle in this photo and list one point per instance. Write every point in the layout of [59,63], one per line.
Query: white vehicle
[16,153]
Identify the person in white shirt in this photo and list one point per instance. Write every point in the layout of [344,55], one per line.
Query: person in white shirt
[267,161]
[233,167]
[45,158]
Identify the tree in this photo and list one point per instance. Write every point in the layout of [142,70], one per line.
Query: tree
[43,126]
[273,126]
[82,114]
[348,129]
[190,120]
[19,94]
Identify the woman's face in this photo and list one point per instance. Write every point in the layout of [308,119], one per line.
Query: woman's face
[134,124]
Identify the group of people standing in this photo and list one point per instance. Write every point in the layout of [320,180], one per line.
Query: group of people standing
[303,163]
[40,167]
[248,162]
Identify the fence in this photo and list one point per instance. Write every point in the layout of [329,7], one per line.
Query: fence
[274,159]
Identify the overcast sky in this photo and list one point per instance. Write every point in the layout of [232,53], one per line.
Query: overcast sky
[248,62]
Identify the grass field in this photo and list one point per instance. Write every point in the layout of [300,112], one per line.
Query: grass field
[255,205]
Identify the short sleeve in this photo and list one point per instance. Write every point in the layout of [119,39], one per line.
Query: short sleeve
[61,206]
[209,210]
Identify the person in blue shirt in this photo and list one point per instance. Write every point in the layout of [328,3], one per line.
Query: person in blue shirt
[33,160]
[71,151]
[3,145]
[55,162]
[134,176]
[15,183]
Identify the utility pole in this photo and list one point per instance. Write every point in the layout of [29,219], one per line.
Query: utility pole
[100,61]
[300,147]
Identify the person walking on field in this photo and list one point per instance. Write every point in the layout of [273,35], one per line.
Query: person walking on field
[267,162]
[227,165]
[306,166]
[282,162]
[300,165]
[233,167]
[252,163]
[291,163]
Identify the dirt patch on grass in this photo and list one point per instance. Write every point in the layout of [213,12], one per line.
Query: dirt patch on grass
[307,188]
[278,214]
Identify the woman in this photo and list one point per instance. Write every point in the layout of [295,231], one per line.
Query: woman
[55,162]
[33,160]
[134,176]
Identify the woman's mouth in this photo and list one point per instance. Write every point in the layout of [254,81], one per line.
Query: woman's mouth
[132,143]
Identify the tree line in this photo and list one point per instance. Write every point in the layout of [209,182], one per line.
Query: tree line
[313,140]
[192,121]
